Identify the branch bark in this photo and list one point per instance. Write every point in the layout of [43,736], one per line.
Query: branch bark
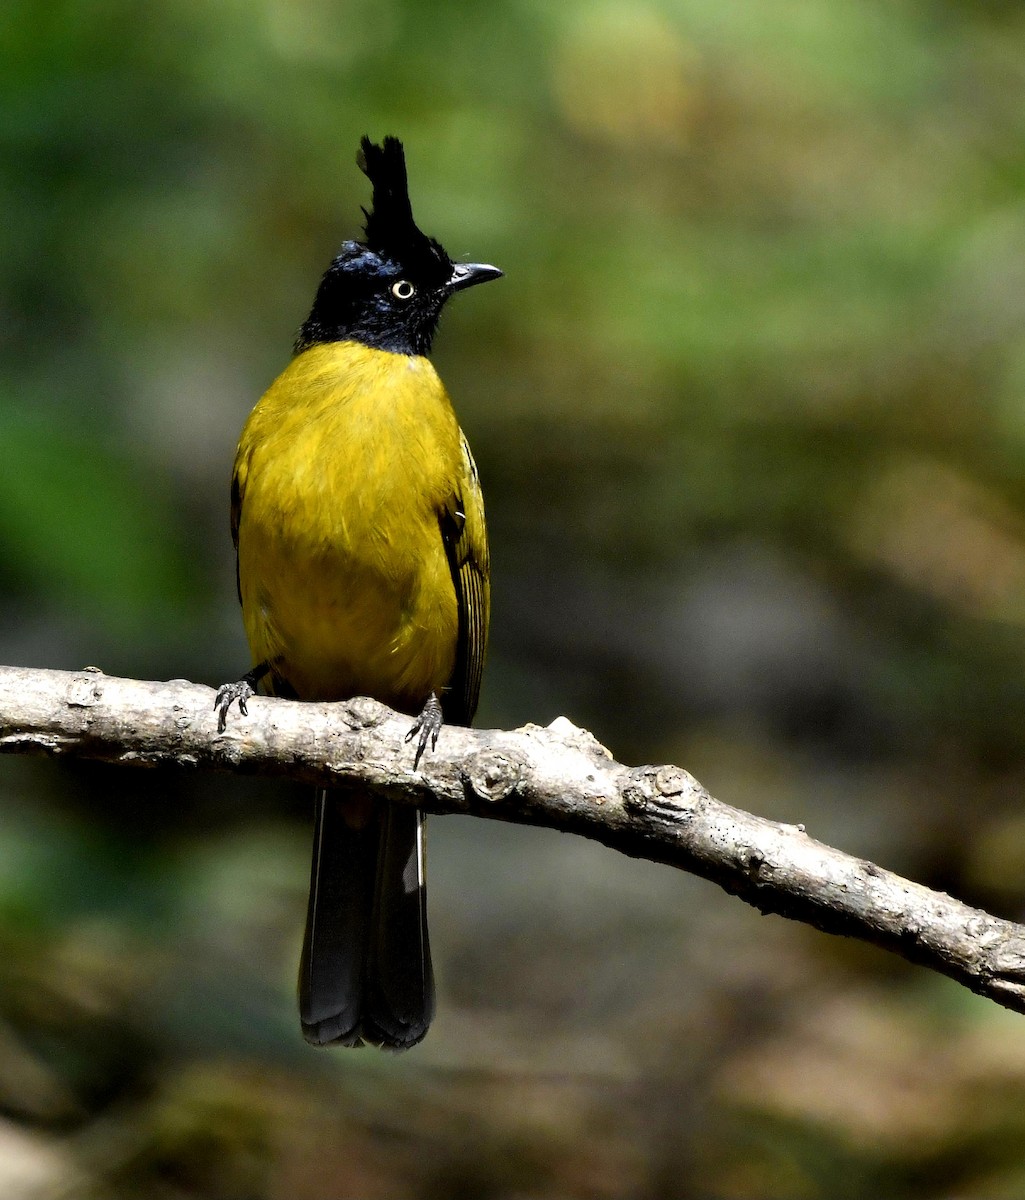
[558,777]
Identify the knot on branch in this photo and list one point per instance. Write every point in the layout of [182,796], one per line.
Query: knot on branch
[564,731]
[85,689]
[494,776]
[668,792]
[364,713]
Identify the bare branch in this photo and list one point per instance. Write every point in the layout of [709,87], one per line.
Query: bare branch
[558,777]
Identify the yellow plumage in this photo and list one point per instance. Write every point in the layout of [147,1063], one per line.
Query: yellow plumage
[347,471]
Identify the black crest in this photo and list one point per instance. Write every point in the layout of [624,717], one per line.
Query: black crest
[390,229]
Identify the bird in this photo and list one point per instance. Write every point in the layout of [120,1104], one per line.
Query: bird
[363,569]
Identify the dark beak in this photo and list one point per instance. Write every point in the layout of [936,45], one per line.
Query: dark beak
[466,275]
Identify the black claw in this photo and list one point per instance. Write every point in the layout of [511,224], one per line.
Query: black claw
[241,690]
[226,697]
[428,725]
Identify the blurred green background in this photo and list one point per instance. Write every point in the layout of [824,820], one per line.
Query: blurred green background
[749,408]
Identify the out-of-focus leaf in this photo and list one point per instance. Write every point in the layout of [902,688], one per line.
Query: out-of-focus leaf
[83,525]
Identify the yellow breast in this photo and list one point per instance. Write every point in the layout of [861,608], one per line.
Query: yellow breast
[344,467]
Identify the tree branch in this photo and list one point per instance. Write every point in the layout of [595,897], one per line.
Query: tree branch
[558,777]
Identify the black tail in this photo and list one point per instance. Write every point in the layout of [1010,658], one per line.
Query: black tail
[365,975]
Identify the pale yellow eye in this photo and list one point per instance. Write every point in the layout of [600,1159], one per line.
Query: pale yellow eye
[403,290]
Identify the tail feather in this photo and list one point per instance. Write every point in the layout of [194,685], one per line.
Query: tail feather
[365,974]
[399,997]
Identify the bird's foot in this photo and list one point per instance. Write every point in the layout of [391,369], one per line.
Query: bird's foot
[427,725]
[241,690]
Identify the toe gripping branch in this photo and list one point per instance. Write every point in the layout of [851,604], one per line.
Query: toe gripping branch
[428,725]
[425,728]
[241,690]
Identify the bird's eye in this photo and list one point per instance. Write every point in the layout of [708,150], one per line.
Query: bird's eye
[403,290]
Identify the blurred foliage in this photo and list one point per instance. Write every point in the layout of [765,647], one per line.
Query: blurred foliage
[749,408]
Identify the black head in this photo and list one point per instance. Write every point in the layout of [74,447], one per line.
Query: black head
[388,290]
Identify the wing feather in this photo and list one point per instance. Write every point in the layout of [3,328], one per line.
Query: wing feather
[238,491]
[465,535]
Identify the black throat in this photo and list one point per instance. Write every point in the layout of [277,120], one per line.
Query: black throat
[321,328]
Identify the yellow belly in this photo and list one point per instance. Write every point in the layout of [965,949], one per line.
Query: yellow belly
[344,466]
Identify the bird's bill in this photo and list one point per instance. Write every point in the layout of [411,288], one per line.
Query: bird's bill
[466,275]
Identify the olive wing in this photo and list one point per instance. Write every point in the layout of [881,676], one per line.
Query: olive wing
[465,535]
